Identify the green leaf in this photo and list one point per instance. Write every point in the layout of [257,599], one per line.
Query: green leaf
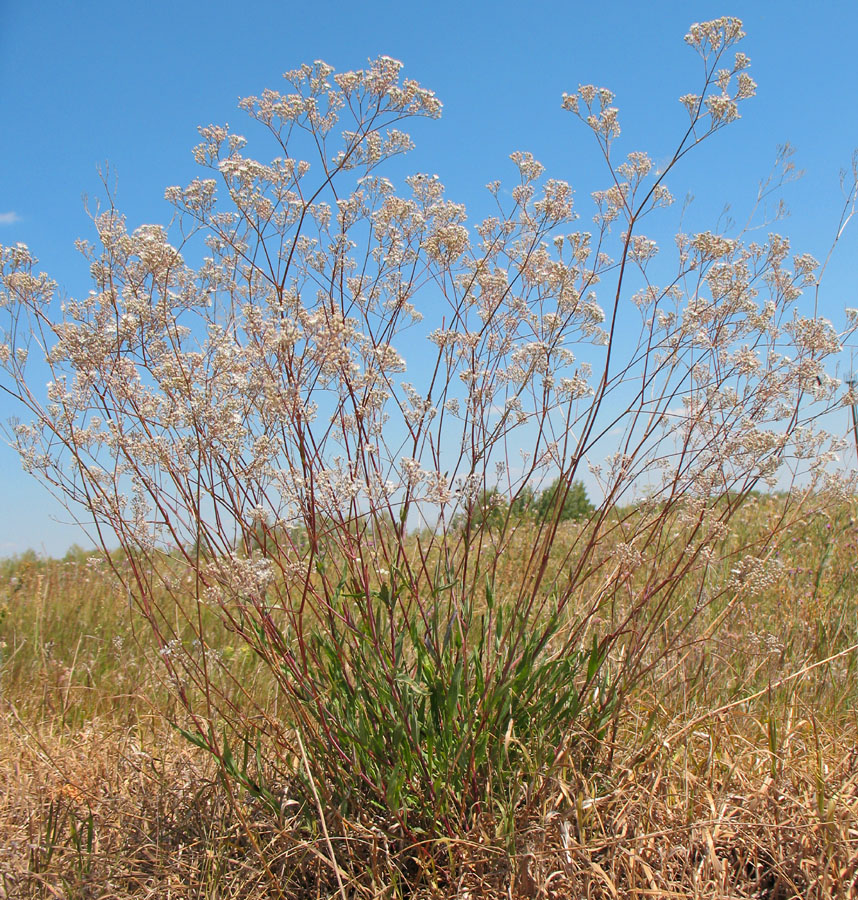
[194,737]
[595,660]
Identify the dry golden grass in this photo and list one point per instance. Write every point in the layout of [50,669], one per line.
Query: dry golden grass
[701,816]
[734,773]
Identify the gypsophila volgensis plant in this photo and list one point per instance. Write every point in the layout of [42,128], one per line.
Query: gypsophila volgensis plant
[338,420]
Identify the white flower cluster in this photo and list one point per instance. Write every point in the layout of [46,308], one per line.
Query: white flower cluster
[753,576]
[240,579]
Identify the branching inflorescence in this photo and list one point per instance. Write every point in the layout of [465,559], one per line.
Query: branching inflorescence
[326,434]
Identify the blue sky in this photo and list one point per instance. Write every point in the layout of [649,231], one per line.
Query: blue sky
[125,84]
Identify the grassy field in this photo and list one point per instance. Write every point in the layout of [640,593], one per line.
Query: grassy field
[732,770]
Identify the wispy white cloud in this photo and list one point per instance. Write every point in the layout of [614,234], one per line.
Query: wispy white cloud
[9,218]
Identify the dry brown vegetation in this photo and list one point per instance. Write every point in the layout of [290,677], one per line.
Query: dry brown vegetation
[699,792]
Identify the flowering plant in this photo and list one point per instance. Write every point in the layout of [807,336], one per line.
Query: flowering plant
[231,406]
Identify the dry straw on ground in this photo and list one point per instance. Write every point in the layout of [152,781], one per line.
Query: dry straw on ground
[701,818]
